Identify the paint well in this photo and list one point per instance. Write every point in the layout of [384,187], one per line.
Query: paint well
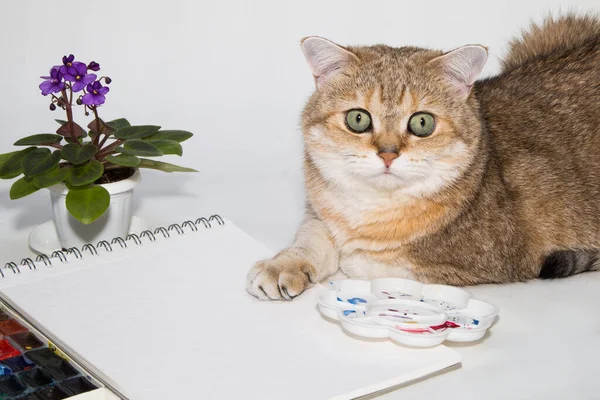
[10,327]
[61,371]
[26,341]
[77,386]
[52,393]
[44,357]
[18,364]
[35,378]
[7,350]
[11,386]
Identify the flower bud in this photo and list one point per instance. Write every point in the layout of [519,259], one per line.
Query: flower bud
[94,66]
[52,107]
[107,80]
[79,101]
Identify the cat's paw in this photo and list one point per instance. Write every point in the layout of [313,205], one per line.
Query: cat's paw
[281,278]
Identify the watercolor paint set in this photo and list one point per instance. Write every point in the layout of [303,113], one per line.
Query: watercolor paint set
[33,368]
[408,312]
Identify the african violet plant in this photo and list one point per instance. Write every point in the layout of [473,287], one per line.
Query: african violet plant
[82,159]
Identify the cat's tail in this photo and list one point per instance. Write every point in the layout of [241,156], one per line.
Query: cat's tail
[570,262]
[554,36]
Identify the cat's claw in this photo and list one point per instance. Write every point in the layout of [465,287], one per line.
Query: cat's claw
[282,278]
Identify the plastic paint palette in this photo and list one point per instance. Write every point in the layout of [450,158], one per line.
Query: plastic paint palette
[31,370]
[406,311]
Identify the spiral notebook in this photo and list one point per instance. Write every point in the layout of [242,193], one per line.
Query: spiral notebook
[163,314]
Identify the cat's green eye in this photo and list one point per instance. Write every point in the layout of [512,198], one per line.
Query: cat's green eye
[421,124]
[358,120]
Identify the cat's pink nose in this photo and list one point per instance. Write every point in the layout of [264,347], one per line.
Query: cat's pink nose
[388,158]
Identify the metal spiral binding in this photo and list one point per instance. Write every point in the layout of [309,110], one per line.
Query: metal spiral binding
[120,241]
[91,248]
[75,250]
[45,259]
[162,230]
[29,262]
[63,255]
[135,238]
[149,235]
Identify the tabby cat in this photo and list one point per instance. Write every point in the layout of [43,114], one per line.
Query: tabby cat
[415,169]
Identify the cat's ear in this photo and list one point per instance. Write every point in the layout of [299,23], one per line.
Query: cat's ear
[325,58]
[462,66]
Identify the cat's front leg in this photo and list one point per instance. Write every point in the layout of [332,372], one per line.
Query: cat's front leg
[310,259]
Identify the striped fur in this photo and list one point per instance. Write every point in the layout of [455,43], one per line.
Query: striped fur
[564,263]
[554,37]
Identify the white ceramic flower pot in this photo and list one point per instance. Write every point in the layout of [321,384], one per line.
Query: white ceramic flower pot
[113,223]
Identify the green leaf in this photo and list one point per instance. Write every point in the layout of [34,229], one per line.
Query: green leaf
[22,187]
[65,131]
[104,128]
[137,147]
[136,132]
[61,122]
[6,156]
[124,160]
[50,178]
[76,154]
[40,139]
[85,174]
[13,166]
[163,166]
[87,204]
[40,160]
[178,136]
[118,123]
[167,146]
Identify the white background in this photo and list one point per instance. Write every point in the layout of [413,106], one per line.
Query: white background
[231,72]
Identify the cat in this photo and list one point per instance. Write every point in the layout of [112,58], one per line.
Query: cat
[415,169]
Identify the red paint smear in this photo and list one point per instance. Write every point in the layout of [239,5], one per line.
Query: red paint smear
[447,324]
[444,326]
[7,351]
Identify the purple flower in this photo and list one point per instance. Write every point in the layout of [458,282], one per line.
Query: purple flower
[77,73]
[68,61]
[95,95]
[53,83]
[94,66]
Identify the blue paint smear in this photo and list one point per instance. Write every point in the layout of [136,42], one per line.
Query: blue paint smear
[356,300]
[348,312]
[4,370]
[475,321]
[338,299]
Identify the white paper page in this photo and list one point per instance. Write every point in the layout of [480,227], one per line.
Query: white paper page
[176,322]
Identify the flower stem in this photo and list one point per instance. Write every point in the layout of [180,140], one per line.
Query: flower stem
[108,166]
[69,110]
[109,149]
[104,139]
[98,128]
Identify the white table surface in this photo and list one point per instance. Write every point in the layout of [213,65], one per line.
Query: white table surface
[545,344]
